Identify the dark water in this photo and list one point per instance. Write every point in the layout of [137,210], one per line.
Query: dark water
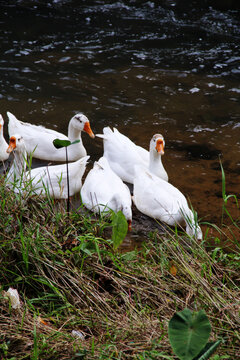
[142,66]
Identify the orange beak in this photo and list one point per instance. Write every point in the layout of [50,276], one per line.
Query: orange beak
[12,144]
[87,129]
[129,225]
[160,146]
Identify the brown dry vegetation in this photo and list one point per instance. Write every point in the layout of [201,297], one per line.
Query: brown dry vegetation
[70,278]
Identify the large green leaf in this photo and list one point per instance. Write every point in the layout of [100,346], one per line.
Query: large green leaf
[188,333]
[61,143]
[119,228]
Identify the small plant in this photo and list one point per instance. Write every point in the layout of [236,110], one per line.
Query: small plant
[225,196]
[119,228]
[189,333]
[58,143]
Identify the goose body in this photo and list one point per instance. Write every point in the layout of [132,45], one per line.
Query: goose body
[39,140]
[123,154]
[50,179]
[3,144]
[104,190]
[162,201]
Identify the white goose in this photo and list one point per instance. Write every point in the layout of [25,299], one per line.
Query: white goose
[162,201]
[123,154]
[51,179]
[104,190]
[3,144]
[39,140]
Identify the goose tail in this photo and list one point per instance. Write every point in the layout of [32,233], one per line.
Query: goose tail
[11,117]
[12,123]
[107,131]
[84,160]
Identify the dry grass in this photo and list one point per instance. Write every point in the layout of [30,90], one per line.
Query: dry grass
[69,278]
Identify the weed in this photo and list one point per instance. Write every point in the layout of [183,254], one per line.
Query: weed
[71,274]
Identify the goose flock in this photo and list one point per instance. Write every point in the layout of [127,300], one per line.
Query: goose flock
[51,180]
[104,187]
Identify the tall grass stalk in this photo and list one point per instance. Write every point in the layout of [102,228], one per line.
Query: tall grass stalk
[226,197]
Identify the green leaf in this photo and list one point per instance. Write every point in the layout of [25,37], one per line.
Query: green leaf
[119,228]
[223,182]
[208,350]
[188,333]
[61,143]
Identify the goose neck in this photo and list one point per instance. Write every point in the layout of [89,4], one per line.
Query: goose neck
[155,160]
[73,133]
[20,162]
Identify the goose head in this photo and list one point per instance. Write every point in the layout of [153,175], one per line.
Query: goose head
[1,122]
[16,143]
[3,144]
[157,144]
[1,127]
[81,123]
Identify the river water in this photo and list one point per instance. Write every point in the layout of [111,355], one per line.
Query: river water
[144,67]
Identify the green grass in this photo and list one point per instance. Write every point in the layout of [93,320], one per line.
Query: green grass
[70,276]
